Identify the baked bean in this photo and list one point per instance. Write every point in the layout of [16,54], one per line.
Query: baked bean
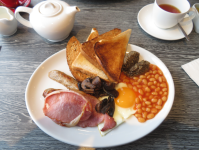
[149,106]
[139,86]
[158,107]
[151,71]
[142,76]
[150,116]
[130,86]
[153,67]
[151,96]
[164,98]
[135,83]
[147,89]
[157,89]
[154,72]
[154,93]
[160,79]
[164,89]
[144,114]
[140,91]
[143,104]
[143,108]
[139,111]
[163,78]
[144,81]
[148,109]
[155,82]
[138,115]
[154,111]
[153,87]
[139,80]
[135,78]
[137,100]
[147,94]
[150,83]
[160,92]
[152,76]
[139,106]
[135,89]
[160,72]
[165,93]
[144,99]
[148,76]
[159,102]
[152,79]
[163,85]
[141,119]
[157,76]
[147,102]
[140,97]
[154,100]
[158,84]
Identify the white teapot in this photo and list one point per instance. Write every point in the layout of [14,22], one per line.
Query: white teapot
[52,19]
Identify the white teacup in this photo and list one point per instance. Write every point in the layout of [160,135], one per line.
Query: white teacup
[196,19]
[164,19]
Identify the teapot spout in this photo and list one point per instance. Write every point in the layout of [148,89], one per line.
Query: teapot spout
[74,9]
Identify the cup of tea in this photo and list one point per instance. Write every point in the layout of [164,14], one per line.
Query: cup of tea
[168,13]
[196,18]
[10,3]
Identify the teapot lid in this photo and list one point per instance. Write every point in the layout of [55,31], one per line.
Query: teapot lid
[50,8]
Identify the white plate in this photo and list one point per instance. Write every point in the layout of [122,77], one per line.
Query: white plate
[127,132]
[145,21]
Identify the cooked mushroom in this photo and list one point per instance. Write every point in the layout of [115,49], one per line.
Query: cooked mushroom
[113,93]
[109,85]
[97,82]
[100,105]
[86,84]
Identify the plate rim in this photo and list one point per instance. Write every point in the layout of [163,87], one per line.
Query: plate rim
[167,39]
[87,145]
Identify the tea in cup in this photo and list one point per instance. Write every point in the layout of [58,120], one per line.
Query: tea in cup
[168,13]
[10,3]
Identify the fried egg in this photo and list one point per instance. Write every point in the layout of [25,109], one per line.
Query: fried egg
[124,104]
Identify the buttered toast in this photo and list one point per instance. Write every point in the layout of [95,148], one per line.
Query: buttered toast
[110,54]
[88,47]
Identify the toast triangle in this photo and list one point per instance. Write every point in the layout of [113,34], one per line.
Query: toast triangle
[88,47]
[110,54]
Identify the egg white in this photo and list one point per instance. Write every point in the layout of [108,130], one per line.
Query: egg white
[120,114]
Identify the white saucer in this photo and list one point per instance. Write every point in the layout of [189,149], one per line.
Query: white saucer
[145,21]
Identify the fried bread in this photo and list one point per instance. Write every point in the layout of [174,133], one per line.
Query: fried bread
[110,54]
[88,47]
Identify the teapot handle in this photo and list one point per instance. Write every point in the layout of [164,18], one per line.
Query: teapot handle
[20,18]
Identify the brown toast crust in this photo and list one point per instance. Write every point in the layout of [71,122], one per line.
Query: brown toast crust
[94,33]
[110,54]
[88,47]
[72,50]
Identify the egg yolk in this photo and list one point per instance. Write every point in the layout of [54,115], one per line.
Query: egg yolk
[126,97]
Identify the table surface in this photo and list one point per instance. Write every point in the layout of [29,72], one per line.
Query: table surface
[23,52]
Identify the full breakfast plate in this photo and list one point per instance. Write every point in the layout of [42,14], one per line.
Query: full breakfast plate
[127,132]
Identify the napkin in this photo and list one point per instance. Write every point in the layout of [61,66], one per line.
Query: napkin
[192,69]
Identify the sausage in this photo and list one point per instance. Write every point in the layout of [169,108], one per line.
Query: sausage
[48,91]
[64,79]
